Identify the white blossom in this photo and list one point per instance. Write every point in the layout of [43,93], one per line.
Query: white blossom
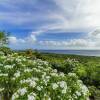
[8,66]
[31,97]
[17,74]
[54,86]
[22,91]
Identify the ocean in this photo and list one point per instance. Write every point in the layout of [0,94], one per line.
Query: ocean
[75,52]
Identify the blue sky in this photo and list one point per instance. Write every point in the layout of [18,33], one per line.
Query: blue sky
[51,24]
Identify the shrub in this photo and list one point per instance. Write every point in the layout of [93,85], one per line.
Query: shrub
[95,93]
[6,50]
[25,79]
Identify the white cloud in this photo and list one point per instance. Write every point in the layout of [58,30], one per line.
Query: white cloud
[12,39]
[77,15]
[73,15]
[38,32]
[31,39]
[91,41]
[66,44]
[69,15]
[83,13]
[94,34]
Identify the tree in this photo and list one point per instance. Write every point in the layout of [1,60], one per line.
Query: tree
[3,38]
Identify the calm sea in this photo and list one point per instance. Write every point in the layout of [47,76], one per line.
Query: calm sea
[75,52]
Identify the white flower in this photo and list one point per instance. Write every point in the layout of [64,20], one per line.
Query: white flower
[24,59]
[15,96]
[33,94]
[4,75]
[64,91]
[62,74]
[59,97]
[63,84]
[55,70]
[71,74]
[54,74]
[1,53]
[8,66]
[74,96]
[35,78]
[54,86]
[84,90]
[27,70]
[32,83]
[47,77]
[17,74]
[39,88]
[1,64]
[78,93]
[1,89]
[18,59]
[31,97]
[22,91]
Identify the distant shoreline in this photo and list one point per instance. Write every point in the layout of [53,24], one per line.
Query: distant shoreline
[74,52]
[95,53]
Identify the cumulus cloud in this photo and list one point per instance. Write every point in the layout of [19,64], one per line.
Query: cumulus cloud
[12,39]
[31,39]
[91,41]
[75,43]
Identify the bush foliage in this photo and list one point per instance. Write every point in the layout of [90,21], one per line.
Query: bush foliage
[25,79]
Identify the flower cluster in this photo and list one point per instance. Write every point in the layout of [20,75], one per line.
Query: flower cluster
[27,79]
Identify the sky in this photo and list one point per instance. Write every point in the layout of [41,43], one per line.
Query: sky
[51,24]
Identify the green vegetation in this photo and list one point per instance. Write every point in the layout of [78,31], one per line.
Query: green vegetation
[31,75]
[22,78]
[86,68]
[3,38]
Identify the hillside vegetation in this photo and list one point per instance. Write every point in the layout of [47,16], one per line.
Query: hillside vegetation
[30,75]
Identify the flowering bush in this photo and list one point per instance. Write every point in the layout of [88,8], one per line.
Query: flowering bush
[25,79]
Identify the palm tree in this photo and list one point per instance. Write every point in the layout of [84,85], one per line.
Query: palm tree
[3,38]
